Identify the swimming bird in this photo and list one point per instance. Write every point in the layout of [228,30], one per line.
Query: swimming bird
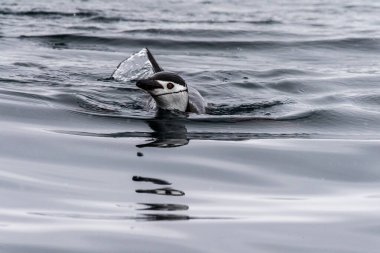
[169,91]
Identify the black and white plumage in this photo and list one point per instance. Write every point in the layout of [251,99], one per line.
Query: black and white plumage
[169,91]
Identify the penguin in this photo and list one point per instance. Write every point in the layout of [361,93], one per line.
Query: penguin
[169,91]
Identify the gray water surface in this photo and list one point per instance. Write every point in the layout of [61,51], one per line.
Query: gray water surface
[285,160]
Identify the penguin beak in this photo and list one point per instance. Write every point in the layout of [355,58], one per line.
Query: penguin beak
[148,84]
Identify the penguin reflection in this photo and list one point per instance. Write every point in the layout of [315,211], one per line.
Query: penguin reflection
[160,211]
[169,130]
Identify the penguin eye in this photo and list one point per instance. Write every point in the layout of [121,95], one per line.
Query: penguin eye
[170,86]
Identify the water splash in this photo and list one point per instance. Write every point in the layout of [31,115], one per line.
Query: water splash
[137,66]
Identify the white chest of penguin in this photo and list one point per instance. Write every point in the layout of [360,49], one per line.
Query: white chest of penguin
[195,103]
[171,96]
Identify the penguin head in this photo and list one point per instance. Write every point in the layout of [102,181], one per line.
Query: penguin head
[168,89]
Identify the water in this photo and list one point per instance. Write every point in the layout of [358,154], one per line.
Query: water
[285,160]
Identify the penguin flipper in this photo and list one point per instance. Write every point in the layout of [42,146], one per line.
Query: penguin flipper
[156,67]
[196,104]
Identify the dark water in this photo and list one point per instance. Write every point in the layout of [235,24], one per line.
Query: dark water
[285,160]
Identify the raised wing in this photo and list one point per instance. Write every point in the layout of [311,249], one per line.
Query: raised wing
[153,61]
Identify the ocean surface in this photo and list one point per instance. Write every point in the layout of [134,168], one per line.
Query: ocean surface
[286,160]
